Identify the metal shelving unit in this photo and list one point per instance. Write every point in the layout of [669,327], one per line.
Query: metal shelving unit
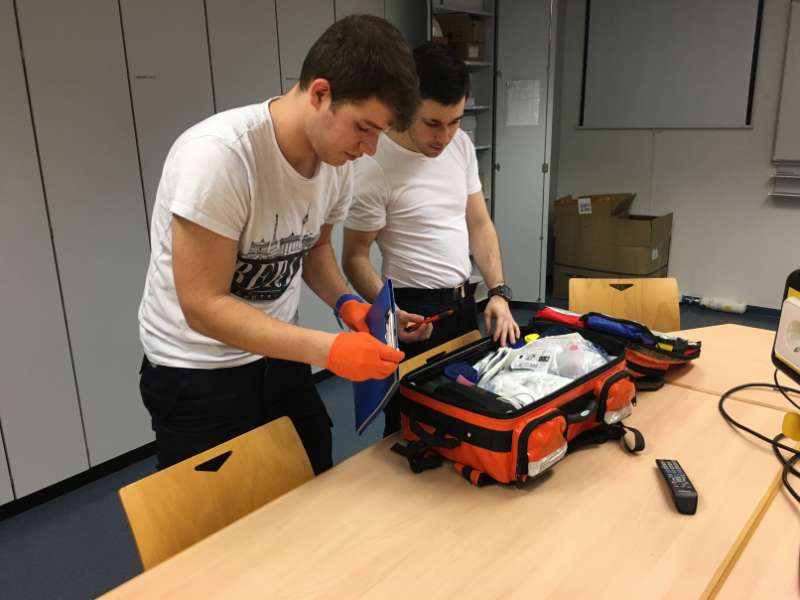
[482,75]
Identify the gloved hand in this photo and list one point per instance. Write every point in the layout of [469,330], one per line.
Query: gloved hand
[353,311]
[359,356]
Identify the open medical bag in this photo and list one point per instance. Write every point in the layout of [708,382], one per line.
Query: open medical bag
[489,440]
[648,354]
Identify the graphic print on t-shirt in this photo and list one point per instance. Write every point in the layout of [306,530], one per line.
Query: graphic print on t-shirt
[266,271]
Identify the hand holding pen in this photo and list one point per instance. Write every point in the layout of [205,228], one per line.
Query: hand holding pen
[432,319]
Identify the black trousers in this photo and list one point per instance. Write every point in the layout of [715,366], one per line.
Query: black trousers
[463,321]
[196,409]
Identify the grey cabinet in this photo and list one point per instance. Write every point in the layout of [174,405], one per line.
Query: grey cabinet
[521,186]
[39,412]
[82,113]
[243,40]
[300,23]
[170,76]
[358,7]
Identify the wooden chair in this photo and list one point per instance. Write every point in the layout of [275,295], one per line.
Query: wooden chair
[174,508]
[652,301]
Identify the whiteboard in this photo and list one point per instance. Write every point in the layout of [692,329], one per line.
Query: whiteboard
[676,64]
[787,132]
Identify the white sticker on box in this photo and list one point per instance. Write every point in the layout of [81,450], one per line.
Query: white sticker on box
[538,361]
[473,51]
[584,206]
[654,254]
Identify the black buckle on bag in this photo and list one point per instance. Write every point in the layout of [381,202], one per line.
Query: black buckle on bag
[419,456]
[419,453]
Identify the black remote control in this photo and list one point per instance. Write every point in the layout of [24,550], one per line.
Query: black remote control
[683,493]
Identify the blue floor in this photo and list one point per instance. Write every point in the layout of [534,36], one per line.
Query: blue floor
[79,545]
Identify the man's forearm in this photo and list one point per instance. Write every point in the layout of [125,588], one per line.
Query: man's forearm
[486,251]
[363,277]
[322,274]
[237,324]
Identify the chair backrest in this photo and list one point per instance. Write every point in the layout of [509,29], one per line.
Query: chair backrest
[652,301]
[179,506]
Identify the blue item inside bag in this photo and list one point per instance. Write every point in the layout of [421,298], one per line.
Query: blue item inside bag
[464,369]
[632,331]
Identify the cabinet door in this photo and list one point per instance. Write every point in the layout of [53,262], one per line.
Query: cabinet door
[300,23]
[170,76]
[243,39]
[521,186]
[358,7]
[6,491]
[39,412]
[82,113]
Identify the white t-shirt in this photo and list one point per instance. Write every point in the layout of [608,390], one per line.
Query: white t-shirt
[418,206]
[228,175]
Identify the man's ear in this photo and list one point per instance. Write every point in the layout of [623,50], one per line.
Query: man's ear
[319,93]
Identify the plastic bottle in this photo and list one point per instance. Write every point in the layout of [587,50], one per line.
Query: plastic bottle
[692,300]
[713,303]
[731,306]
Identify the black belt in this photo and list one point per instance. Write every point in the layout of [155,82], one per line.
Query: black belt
[435,295]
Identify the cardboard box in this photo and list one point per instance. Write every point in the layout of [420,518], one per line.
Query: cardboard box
[562,274]
[593,207]
[460,27]
[635,245]
[596,236]
[469,50]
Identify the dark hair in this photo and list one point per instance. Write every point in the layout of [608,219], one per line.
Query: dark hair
[443,76]
[362,57]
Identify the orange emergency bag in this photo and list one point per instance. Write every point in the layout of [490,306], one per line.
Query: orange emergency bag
[490,441]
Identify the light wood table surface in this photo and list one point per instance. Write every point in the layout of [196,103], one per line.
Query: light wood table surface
[769,566]
[732,355]
[599,525]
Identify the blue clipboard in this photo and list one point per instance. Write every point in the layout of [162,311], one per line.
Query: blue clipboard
[372,395]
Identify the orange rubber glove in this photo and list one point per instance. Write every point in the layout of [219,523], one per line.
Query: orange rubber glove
[354,315]
[358,356]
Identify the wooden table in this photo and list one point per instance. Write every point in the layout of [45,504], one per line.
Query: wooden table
[599,525]
[732,355]
[769,566]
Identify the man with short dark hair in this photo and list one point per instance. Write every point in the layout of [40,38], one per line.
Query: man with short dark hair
[244,208]
[419,197]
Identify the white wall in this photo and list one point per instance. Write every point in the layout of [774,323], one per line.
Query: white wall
[729,239]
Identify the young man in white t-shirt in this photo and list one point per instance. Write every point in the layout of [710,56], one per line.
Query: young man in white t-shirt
[244,209]
[419,197]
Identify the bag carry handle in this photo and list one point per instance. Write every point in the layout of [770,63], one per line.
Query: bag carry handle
[432,439]
[583,415]
[604,433]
